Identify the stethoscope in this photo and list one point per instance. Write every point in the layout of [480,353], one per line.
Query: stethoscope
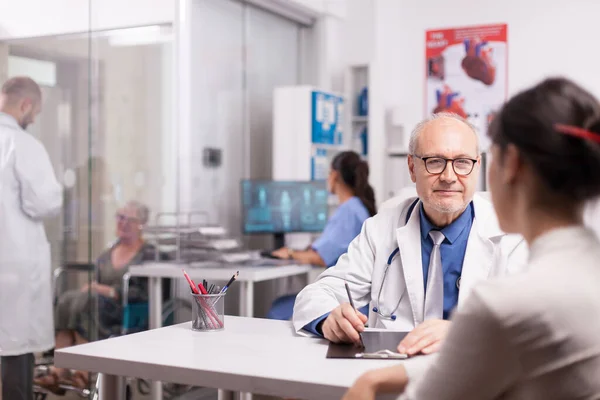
[377,308]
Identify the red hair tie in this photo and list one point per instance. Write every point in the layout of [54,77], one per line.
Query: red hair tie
[578,132]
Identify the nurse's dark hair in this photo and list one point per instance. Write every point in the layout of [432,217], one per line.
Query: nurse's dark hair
[555,125]
[354,171]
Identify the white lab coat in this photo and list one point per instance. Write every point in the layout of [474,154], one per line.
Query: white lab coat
[489,253]
[29,192]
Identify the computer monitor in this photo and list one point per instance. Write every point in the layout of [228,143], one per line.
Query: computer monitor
[280,207]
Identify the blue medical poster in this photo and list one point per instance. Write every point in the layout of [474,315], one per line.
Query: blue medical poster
[319,165]
[327,123]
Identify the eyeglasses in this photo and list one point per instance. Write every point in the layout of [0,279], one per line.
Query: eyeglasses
[437,165]
[124,218]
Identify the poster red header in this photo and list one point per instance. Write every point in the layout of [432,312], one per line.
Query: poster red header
[436,41]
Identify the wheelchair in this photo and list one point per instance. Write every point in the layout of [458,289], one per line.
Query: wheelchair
[135,319]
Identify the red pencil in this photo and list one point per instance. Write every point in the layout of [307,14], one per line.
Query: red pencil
[191,282]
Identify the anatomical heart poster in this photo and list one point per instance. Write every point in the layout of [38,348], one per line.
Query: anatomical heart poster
[466,73]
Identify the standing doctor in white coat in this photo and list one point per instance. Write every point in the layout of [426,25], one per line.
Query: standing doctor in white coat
[29,192]
[410,282]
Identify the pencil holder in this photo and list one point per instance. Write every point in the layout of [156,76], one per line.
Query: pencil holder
[208,312]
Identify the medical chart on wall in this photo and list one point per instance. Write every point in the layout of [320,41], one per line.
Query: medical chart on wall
[466,73]
[319,163]
[327,113]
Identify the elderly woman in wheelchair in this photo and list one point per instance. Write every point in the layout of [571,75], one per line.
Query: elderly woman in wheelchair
[73,319]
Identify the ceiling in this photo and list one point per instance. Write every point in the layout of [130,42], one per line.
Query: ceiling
[82,46]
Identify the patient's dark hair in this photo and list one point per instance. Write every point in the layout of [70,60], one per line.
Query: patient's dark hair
[534,121]
[355,174]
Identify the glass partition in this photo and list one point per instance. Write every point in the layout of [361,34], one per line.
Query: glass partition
[59,64]
[106,123]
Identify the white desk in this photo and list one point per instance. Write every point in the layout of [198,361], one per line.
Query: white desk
[250,355]
[248,275]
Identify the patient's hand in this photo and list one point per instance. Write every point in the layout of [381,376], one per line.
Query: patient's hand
[95,287]
[426,338]
[87,287]
[362,389]
[391,379]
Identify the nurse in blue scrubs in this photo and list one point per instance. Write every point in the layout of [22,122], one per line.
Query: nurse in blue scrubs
[349,181]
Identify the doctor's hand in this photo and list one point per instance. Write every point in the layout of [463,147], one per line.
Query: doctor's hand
[426,338]
[343,324]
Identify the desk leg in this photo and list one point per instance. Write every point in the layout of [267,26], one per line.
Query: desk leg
[156,390]
[247,299]
[111,387]
[225,395]
[246,310]
[245,396]
[155,300]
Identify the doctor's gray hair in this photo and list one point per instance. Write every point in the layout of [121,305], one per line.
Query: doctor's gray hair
[414,136]
[141,210]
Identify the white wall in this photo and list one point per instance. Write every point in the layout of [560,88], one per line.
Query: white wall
[357,32]
[135,125]
[346,36]
[29,18]
[336,8]
[545,37]
[326,37]
[3,62]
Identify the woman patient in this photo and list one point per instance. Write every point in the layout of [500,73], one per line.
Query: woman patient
[72,319]
[532,335]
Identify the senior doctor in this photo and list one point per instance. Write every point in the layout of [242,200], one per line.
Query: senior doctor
[29,192]
[414,263]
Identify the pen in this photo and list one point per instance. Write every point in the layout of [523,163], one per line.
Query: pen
[362,343]
[202,289]
[233,278]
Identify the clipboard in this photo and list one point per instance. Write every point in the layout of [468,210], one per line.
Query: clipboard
[380,345]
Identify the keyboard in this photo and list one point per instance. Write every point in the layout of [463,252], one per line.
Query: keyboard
[239,257]
[266,262]
[253,258]
[267,254]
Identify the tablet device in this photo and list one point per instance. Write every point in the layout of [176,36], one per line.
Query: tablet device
[380,344]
